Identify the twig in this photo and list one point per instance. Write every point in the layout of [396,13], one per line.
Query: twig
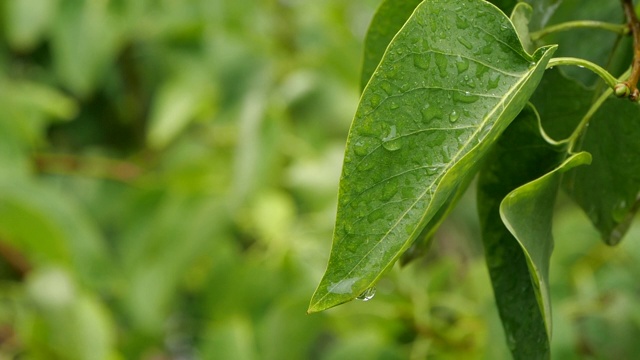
[87,166]
[16,261]
[634,25]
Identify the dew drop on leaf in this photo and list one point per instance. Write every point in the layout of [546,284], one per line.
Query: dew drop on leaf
[494,80]
[462,64]
[461,22]
[388,190]
[367,294]
[386,87]
[441,62]
[454,116]
[421,61]
[465,97]
[465,42]
[360,148]
[375,100]
[392,145]
[430,112]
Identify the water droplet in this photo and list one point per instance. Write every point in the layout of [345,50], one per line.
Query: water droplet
[386,87]
[376,215]
[374,100]
[442,63]
[391,134]
[461,22]
[466,43]
[392,145]
[367,294]
[360,148]
[462,64]
[487,49]
[454,116]
[393,105]
[619,211]
[421,61]
[481,70]
[430,112]
[388,190]
[494,79]
[465,97]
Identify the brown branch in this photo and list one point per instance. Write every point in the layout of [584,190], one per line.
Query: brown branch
[111,169]
[634,25]
[14,258]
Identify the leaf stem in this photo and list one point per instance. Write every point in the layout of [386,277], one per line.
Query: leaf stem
[575,136]
[622,29]
[634,25]
[597,69]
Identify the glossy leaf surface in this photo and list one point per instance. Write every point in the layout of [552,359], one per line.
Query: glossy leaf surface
[387,21]
[436,103]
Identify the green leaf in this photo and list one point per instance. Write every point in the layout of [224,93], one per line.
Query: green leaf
[516,231]
[386,22]
[436,103]
[27,21]
[561,103]
[527,213]
[520,18]
[572,43]
[609,190]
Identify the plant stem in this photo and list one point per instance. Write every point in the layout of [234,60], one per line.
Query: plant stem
[589,24]
[97,167]
[634,25]
[575,136]
[597,69]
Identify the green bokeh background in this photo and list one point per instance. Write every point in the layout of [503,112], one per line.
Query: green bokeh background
[168,181]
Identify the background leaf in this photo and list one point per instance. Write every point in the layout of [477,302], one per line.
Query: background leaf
[516,231]
[609,190]
[412,143]
[388,19]
[521,155]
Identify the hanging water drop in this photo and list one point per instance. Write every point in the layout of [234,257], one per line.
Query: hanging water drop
[367,294]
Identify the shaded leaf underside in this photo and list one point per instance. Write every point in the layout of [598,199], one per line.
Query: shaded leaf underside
[449,83]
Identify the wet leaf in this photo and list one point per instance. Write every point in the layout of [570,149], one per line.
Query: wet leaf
[386,22]
[516,231]
[609,190]
[448,85]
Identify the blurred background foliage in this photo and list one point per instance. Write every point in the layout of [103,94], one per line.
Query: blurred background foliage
[168,180]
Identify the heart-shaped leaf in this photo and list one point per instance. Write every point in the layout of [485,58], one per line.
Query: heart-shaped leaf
[450,82]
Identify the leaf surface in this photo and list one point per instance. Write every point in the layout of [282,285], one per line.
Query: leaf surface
[516,194]
[448,85]
[386,22]
[609,190]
